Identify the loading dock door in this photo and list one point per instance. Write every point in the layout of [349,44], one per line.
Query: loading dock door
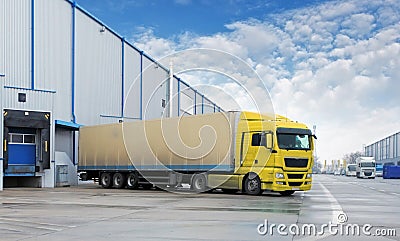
[21,155]
[30,132]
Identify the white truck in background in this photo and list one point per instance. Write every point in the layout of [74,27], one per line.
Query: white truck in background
[351,170]
[366,167]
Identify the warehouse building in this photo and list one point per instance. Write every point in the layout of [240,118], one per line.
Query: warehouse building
[60,68]
[385,151]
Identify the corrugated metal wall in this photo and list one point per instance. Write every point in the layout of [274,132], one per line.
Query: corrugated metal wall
[98,75]
[386,150]
[2,41]
[132,82]
[186,99]
[33,97]
[53,52]
[209,106]
[93,83]
[16,37]
[154,90]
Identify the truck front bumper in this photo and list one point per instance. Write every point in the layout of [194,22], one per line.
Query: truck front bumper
[289,181]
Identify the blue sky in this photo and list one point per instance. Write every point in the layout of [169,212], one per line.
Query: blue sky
[170,18]
[334,64]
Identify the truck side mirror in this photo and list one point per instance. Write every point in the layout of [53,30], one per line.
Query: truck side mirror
[270,141]
[266,140]
[263,141]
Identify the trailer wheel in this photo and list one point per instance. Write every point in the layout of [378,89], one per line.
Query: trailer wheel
[119,180]
[132,180]
[286,193]
[252,185]
[105,180]
[199,183]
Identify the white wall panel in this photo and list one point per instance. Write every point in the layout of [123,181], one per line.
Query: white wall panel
[53,45]
[64,141]
[3,59]
[35,100]
[132,83]
[16,41]
[187,103]
[198,103]
[154,90]
[398,144]
[208,106]
[98,72]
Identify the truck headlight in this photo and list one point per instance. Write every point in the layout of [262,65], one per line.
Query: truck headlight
[309,175]
[279,175]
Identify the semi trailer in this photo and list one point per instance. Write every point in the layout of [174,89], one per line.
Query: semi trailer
[231,151]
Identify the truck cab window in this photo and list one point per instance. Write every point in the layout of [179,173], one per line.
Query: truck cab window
[256,139]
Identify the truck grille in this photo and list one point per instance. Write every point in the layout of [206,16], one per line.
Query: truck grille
[295,176]
[294,162]
[367,173]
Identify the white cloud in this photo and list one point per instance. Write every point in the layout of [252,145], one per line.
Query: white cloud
[338,9]
[358,25]
[335,65]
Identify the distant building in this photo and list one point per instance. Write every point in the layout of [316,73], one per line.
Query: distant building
[386,151]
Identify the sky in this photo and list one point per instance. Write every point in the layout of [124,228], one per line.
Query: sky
[332,64]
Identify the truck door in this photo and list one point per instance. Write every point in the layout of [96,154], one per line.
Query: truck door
[253,151]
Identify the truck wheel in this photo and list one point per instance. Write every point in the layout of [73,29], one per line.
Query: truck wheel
[105,180]
[252,185]
[119,180]
[132,180]
[286,193]
[199,183]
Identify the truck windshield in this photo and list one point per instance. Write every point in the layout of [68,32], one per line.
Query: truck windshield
[367,164]
[352,168]
[294,141]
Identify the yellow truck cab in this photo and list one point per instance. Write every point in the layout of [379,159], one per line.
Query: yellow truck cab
[292,157]
[271,154]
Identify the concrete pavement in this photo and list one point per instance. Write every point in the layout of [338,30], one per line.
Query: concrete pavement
[88,212]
